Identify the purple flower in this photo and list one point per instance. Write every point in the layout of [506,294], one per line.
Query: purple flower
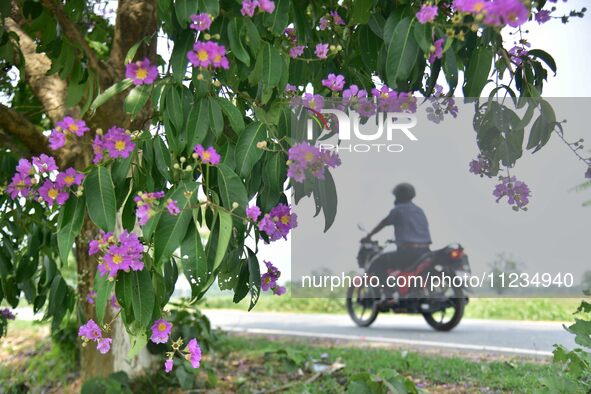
[168,364]
[267,6]
[253,213]
[269,279]
[479,166]
[323,23]
[71,125]
[104,345]
[19,186]
[427,13]
[313,101]
[366,107]
[437,50]
[160,331]
[141,72]
[118,143]
[145,203]
[69,178]
[57,139]
[336,18]
[25,168]
[279,290]
[7,314]
[205,54]
[543,16]
[45,164]
[51,192]
[304,157]
[510,12]
[90,297]
[172,207]
[194,355]
[517,192]
[207,156]
[124,255]
[201,22]
[336,83]
[90,331]
[296,51]
[249,7]
[321,51]
[278,222]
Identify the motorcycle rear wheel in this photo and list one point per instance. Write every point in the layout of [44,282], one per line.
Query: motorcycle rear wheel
[437,319]
[361,300]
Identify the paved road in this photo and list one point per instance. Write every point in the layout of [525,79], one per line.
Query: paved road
[486,336]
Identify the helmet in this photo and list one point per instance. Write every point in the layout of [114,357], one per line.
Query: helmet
[404,192]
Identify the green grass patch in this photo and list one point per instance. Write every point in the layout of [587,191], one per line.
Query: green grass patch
[533,309]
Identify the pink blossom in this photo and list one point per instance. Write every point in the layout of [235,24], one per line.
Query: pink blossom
[336,83]
[253,212]
[51,192]
[249,7]
[194,355]
[160,331]
[321,51]
[207,156]
[296,51]
[104,345]
[172,207]
[427,13]
[168,364]
[201,22]
[141,72]
[57,139]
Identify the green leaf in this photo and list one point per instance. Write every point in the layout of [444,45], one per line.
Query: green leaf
[70,223]
[142,297]
[233,114]
[271,65]
[138,342]
[110,92]
[360,11]
[476,75]
[212,7]
[174,106]
[278,20]
[100,198]
[178,58]
[194,261]
[231,187]
[171,230]
[197,123]
[247,152]
[104,288]
[224,235]
[401,52]
[137,98]
[545,57]
[327,194]
[254,278]
[234,37]
[216,119]
[184,9]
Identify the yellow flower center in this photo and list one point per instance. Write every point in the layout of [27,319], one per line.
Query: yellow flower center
[73,127]
[478,6]
[217,58]
[120,145]
[161,327]
[117,259]
[206,155]
[285,219]
[20,184]
[141,73]
[309,156]
[69,179]
[53,193]
[202,55]
[312,104]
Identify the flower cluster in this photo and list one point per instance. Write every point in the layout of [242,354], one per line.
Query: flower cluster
[306,158]
[389,100]
[7,314]
[208,53]
[67,127]
[249,6]
[269,279]
[116,143]
[141,72]
[517,192]
[92,332]
[201,22]
[440,106]
[495,12]
[278,222]
[40,179]
[253,213]
[122,255]
[332,17]
[147,206]
[295,50]
[160,331]
[207,156]
[436,50]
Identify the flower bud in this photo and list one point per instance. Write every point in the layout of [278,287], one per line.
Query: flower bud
[176,166]
[189,168]
[262,144]
[207,36]
[200,77]
[235,205]
[183,159]
[217,83]
[332,48]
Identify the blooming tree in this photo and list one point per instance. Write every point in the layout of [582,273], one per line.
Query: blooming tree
[135,167]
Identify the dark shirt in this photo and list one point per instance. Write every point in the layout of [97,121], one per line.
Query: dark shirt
[410,224]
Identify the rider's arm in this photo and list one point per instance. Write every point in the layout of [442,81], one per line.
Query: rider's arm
[385,222]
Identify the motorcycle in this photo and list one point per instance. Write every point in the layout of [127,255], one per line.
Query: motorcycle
[442,305]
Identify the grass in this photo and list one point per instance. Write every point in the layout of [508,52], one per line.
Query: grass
[534,309]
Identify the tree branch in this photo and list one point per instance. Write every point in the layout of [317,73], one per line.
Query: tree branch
[16,125]
[104,71]
[136,19]
[49,89]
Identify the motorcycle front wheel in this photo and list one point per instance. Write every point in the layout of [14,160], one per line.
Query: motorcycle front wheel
[362,305]
[449,317]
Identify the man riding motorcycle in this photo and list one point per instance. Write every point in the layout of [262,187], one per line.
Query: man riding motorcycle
[411,232]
